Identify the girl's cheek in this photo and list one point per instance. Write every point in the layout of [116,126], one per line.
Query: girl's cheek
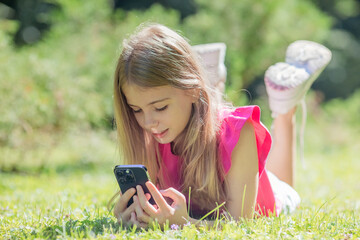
[139,121]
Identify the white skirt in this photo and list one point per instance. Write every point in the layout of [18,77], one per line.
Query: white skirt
[286,198]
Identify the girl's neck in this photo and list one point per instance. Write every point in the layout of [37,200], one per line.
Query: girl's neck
[177,145]
[172,148]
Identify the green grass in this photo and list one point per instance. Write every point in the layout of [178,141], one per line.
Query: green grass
[49,206]
[74,206]
[68,200]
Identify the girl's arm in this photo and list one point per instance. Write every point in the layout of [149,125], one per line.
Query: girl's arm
[242,178]
[241,187]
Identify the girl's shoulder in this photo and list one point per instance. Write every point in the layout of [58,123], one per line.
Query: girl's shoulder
[232,121]
[243,113]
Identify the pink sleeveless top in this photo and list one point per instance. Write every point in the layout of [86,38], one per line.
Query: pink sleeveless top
[232,122]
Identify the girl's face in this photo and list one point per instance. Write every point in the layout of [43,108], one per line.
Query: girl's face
[162,111]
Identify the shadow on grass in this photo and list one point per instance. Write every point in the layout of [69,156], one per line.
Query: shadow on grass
[66,168]
[81,229]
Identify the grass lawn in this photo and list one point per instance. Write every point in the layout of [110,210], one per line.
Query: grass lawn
[71,202]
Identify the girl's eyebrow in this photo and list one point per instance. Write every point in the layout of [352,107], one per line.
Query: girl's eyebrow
[160,100]
[153,102]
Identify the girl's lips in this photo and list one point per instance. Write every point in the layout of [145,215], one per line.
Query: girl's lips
[161,135]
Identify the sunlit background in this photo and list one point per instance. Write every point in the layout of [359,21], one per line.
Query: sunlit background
[57,59]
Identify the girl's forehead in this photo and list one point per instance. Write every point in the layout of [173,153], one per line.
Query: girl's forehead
[136,95]
[136,89]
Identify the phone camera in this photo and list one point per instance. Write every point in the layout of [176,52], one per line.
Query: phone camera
[120,173]
[129,178]
[126,176]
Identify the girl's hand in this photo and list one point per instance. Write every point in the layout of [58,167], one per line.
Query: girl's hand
[132,215]
[176,213]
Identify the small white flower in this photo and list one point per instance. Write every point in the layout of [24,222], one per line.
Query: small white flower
[174,227]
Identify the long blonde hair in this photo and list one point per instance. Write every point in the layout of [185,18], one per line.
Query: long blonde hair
[157,56]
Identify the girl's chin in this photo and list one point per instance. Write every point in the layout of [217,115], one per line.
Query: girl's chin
[163,140]
[167,138]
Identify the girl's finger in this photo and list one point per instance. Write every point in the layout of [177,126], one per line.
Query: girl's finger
[174,194]
[147,207]
[123,200]
[159,199]
[134,221]
[140,214]
[133,217]
[125,215]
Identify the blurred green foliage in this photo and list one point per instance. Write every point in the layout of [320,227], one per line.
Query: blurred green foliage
[340,79]
[63,84]
[256,33]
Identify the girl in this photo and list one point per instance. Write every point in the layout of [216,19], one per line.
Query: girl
[169,119]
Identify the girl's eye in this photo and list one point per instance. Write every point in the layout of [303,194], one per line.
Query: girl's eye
[161,109]
[136,111]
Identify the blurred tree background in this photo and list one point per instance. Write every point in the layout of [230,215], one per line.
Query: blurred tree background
[57,59]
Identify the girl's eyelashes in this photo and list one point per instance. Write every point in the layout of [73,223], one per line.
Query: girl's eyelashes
[162,109]
[156,109]
[136,111]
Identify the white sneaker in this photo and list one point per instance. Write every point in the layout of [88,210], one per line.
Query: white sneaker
[312,56]
[285,86]
[287,83]
[212,57]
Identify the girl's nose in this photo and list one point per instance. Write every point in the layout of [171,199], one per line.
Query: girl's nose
[150,122]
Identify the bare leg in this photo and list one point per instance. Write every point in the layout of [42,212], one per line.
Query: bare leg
[282,154]
[286,85]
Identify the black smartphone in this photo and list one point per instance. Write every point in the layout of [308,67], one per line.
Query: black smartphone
[129,176]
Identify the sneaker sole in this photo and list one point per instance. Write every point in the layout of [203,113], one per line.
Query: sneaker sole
[311,56]
[286,86]
[287,83]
